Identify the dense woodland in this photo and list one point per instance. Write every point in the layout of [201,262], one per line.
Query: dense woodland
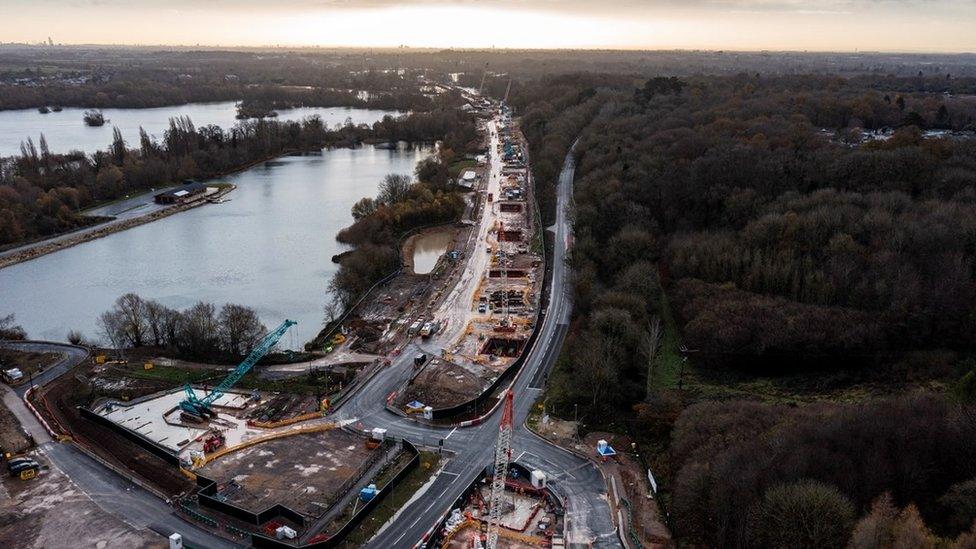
[42,194]
[784,237]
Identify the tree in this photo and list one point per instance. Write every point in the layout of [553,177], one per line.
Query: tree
[802,514]
[109,182]
[650,341]
[365,207]
[240,329]
[199,329]
[111,328]
[156,315]
[394,188]
[125,324]
[75,337]
[959,503]
[9,329]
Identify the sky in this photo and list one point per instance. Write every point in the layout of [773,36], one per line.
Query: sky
[823,25]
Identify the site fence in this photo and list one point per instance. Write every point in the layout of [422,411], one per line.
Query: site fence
[334,325]
[261,541]
[164,453]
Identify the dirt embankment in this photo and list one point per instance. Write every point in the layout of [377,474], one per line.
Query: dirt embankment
[59,401]
[87,235]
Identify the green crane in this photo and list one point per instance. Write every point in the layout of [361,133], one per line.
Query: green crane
[201,407]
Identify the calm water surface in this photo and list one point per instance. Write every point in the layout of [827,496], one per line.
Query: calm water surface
[270,247]
[428,249]
[65,130]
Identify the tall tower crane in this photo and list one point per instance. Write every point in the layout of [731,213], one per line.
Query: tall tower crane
[503,455]
[200,407]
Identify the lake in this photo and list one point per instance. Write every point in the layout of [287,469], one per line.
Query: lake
[269,247]
[65,131]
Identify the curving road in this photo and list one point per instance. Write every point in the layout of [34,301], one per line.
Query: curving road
[111,492]
[581,484]
[588,517]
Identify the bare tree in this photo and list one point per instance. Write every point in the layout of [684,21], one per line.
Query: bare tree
[111,326]
[240,329]
[199,329]
[10,330]
[156,315]
[332,308]
[363,208]
[132,315]
[394,188]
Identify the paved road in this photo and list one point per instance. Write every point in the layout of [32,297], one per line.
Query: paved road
[581,484]
[112,493]
[588,514]
[71,355]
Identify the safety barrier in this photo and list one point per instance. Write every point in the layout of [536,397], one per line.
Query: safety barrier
[164,453]
[264,438]
[284,422]
[339,536]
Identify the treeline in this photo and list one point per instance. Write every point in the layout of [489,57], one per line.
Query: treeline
[553,111]
[201,332]
[42,193]
[722,203]
[780,246]
[758,475]
[263,101]
[400,205]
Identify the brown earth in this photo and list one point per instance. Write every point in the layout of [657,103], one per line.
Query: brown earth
[59,401]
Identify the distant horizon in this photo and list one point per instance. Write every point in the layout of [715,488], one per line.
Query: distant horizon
[435,49]
[884,26]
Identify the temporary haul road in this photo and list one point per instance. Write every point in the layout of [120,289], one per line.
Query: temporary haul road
[588,518]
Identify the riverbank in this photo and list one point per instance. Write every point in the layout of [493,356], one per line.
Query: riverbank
[68,240]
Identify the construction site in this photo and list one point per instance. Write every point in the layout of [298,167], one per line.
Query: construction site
[477,323]
[508,505]
[254,464]
[257,454]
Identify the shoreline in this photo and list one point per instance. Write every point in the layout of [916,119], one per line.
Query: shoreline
[66,240]
[81,235]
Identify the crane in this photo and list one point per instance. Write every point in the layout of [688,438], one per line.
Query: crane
[503,455]
[201,407]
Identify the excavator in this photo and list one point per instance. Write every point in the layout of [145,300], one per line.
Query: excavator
[201,407]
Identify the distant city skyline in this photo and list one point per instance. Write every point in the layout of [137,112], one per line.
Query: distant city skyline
[824,25]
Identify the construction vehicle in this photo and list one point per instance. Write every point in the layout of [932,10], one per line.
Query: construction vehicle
[214,442]
[24,468]
[195,406]
[503,456]
[430,328]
